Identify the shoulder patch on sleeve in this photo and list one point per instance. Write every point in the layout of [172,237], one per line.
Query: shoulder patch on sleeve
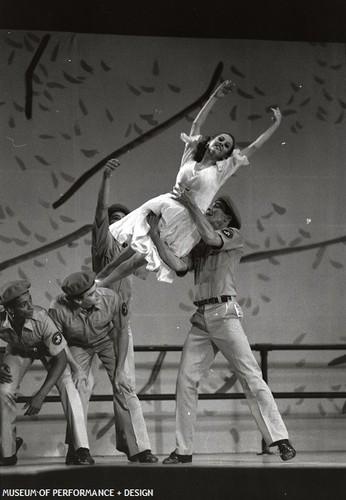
[57,338]
[229,233]
[124,309]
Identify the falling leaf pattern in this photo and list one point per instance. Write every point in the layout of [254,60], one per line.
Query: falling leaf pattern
[105,66]
[133,89]
[5,239]
[55,85]
[20,163]
[263,277]
[40,238]
[259,91]
[22,274]
[54,180]
[13,43]
[18,107]
[67,177]
[174,88]
[109,115]
[2,213]
[67,219]
[89,153]
[265,298]
[259,226]
[319,256]
[295,108]
[53,224]
[43,108]
[337,265]
[244,94]
[305,234]
[86,67]
[9,211]
[24,229]
[295,242]
[254,117]
[299,339]
[278,209]
[11,122]
[11,57]
[20,242]
[70,78]
[82,107]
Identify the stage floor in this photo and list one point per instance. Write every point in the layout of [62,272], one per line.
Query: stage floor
[240,476]
[302,460]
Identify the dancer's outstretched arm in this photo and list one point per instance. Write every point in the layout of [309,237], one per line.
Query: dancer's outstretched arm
[99,233]
[103,194]
[225,88]
[258,143]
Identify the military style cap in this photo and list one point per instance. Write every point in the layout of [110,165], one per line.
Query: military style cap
[12,290]
[78,283]
[232,210]
[118,208]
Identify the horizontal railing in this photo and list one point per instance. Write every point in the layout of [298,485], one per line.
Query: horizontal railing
[263,349]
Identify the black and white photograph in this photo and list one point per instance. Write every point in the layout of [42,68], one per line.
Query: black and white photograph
[172,250]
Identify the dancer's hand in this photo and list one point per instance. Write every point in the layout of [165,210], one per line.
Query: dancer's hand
[225,88]
[122,381]
[111,165]
[80,379]
[183,195]
[277,115]
[153,221]
[34,405]
[5,374]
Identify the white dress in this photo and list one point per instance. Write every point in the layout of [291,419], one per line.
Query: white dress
[177,228]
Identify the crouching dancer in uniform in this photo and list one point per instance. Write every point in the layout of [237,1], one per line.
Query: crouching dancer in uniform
[94,322]
[31,334]
[216,326]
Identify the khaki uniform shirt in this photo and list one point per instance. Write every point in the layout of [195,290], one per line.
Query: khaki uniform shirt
[86,328]
[214,268]
[40,336]
[104,249]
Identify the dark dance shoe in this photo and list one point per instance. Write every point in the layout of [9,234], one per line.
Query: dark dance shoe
[70,455]
[287,452]
[175,458]
[8,461]
[145,457]
[19,442]
[80,457]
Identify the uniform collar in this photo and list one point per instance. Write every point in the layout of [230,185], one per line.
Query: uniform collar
[72,306]
[88,311]
[27,324]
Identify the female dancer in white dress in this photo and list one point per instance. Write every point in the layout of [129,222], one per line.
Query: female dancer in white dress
[206,164]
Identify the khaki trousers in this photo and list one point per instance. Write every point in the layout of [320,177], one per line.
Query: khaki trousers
[218,328]
[70,400]
[130,429]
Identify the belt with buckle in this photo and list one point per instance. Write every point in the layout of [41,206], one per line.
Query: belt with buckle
[214,300]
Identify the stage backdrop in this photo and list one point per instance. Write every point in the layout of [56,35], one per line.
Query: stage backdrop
[69,101]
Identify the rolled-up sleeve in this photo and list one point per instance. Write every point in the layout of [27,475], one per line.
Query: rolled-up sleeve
[231,238]
[52,337]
